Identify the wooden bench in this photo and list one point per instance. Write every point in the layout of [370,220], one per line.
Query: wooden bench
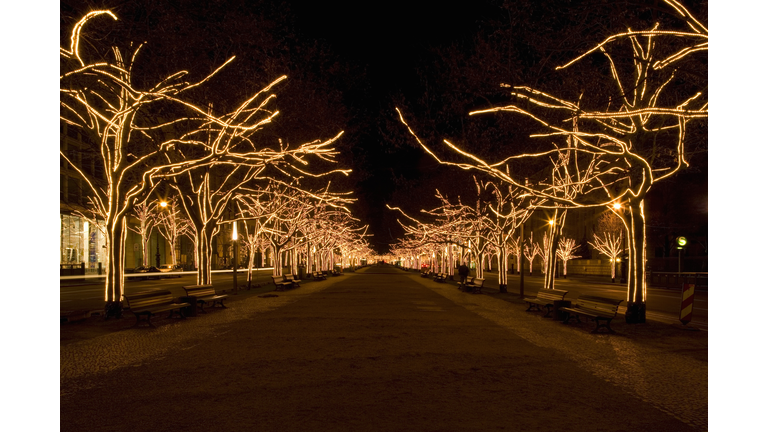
[426,273]
[596,308]
[153,302]
[318,276]
[463,287]
[205,294]
[546,298]
[295,282]
[280,283]
[476,285]
[440,277]
[335,272]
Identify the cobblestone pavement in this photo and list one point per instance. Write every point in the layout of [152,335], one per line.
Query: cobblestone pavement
[382,349]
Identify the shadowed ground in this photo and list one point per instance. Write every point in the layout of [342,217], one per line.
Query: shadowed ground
[379,349]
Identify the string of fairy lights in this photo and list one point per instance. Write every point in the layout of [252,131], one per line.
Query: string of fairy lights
[599,160]
[203,157]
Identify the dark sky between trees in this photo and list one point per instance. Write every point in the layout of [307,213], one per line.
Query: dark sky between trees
[350,63]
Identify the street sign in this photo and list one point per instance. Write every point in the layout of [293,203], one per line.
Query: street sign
[686,304]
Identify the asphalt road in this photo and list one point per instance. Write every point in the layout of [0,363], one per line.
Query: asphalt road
[383,350]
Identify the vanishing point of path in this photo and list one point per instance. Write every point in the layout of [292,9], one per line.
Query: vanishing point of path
[377,350]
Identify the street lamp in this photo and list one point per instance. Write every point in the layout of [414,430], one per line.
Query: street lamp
[618,207]
[552,252]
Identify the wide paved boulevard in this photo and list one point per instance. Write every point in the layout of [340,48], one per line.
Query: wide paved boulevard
[383,350]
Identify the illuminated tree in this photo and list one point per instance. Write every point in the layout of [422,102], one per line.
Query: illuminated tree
[508,209]
[546,246]
[155,133]
[516,249]
[172,225]
[300,225]
[487,226]
[331,232]
[208,191]
[531,250]
[609,238]
[565,251]
[452,231]
[630,140]
[192,236]
[255,244]
[324,208]
[95,215]
[145,214]
[272,213]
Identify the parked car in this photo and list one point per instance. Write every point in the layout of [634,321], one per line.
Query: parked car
[169,268]
[143,269]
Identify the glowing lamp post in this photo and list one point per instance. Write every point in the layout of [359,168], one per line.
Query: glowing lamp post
[551,254]
[163,204]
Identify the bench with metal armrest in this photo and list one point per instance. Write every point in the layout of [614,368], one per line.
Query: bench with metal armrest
[153,302]
[595,308]
[280,283]
[546,298]
[205,294]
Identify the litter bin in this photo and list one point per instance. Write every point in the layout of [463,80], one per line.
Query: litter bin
[190,310]
[301,272]
[556,305]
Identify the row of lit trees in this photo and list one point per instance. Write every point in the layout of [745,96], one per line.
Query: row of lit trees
[300,226]
[487,230]
[612,154]
[168,136]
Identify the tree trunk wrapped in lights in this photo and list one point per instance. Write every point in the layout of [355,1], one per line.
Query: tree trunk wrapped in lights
[531,250]
[609,239]
[565,249]
[450,228]
[617,153]
[147,135]
[147,221]
[516,249]
[253,240]
[508,209]
[172,225]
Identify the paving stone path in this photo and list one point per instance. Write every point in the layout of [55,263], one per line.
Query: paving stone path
[377,350]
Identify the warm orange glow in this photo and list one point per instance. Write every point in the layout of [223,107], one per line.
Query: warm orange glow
[565,251]
[610,155]
[98,95]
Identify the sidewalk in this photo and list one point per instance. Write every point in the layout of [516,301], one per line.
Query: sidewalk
[381,349]
[534,283]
